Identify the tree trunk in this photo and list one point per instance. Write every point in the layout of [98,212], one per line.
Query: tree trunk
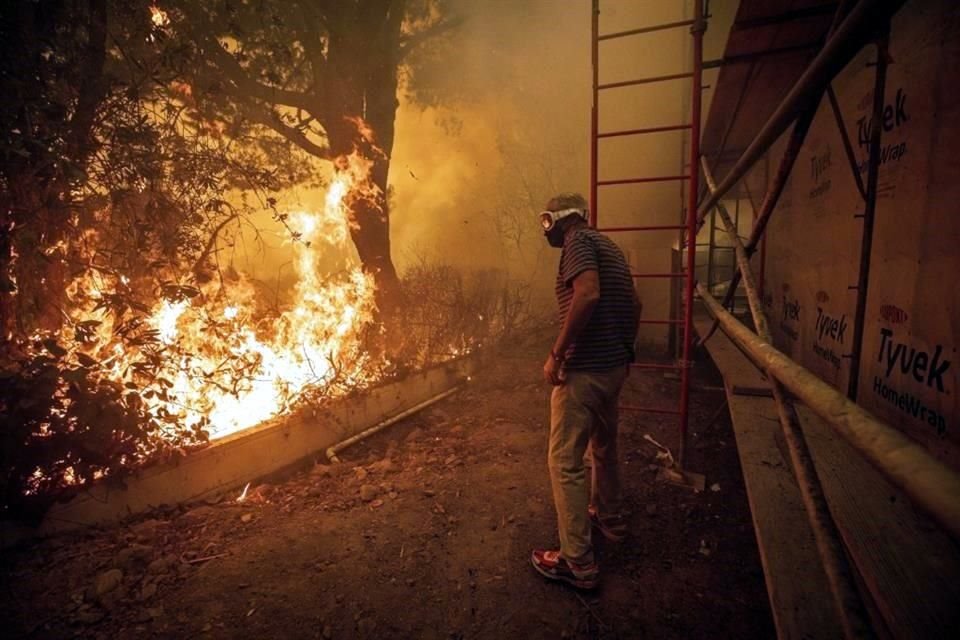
[365,93]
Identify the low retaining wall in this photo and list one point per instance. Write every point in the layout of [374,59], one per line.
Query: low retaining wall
[251,454]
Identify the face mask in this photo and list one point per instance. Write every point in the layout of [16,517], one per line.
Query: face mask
[553,228]
[555,236]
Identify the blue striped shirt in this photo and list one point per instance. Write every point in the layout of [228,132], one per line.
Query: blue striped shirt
[607,339]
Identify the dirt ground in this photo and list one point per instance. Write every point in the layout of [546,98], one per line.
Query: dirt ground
[424,531]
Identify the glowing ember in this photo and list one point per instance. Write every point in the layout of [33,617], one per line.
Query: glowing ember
[158,16]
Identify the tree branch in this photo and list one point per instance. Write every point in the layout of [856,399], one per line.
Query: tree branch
[211,242]
[312,28]
[247,85]
[238,76]
[411,41]
[271,119]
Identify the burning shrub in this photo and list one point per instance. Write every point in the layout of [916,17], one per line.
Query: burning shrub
[65,422]
[449,312]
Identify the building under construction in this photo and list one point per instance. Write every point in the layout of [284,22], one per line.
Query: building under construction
[814,264]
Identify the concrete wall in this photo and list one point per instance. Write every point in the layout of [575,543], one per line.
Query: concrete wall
[252,454]
[909,365]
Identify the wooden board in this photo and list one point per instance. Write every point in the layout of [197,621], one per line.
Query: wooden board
[796,583]
[910,566]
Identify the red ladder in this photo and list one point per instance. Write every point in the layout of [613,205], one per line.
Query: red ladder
[697,27]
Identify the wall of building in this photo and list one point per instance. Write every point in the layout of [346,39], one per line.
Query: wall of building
[909,363]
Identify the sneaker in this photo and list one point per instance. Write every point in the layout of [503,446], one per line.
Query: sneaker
[613,529]
[554,567]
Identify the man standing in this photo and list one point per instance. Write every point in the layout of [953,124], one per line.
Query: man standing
[587,367]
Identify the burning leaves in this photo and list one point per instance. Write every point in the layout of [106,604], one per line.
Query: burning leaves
[125,381]
[225,365]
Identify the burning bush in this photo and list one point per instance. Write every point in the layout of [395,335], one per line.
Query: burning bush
[126,338]
[65,422]
[450,312]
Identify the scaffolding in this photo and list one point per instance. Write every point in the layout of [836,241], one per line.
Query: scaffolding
[906,464]
[687,225]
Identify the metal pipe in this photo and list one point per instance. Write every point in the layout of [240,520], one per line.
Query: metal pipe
[845,138]
[836,53]
[846,598]
[649,80]
[770,199]
[927,482]
[633,32]
[380,426]
[668,227]
[710,246]
[869,209]
[843,588]
[772,195]
[594,117]
[604,183]
[638,132]
[753,207]
[697,30]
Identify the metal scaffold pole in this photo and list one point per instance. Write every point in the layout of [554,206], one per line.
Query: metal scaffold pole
[594,116]
[696,30]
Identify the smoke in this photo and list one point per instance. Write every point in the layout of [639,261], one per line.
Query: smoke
[495,119]
[490,133]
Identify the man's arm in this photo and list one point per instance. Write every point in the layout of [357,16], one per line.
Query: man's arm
[586,295]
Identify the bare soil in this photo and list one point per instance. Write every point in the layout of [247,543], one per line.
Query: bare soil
[424,531]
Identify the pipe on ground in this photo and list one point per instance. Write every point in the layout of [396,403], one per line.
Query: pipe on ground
[383,424]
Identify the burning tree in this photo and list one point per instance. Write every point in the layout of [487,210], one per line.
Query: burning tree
[324,76]
[111,201]
[130,130]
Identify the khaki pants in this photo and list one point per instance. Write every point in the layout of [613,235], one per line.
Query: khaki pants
[584,410]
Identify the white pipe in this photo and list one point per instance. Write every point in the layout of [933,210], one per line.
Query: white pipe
[332,451]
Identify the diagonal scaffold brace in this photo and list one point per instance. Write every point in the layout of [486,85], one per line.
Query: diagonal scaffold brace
[846,597]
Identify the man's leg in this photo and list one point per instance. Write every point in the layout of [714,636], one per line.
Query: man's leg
[570,419]
[605,486]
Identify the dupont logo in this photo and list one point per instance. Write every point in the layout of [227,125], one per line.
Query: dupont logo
[822,297]
[892,314]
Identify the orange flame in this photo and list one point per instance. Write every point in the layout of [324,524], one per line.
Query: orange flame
[158,16]
[229,371]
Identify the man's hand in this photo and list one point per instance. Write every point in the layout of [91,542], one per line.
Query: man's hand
[551,371]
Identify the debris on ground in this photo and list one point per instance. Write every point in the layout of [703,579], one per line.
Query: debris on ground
[424,530]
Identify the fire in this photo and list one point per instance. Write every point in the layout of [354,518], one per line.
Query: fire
[225,371]
[159,17]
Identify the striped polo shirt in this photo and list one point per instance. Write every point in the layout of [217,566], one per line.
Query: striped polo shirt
[607,339]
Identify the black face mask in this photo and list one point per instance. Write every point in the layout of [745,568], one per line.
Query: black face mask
[555,236]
